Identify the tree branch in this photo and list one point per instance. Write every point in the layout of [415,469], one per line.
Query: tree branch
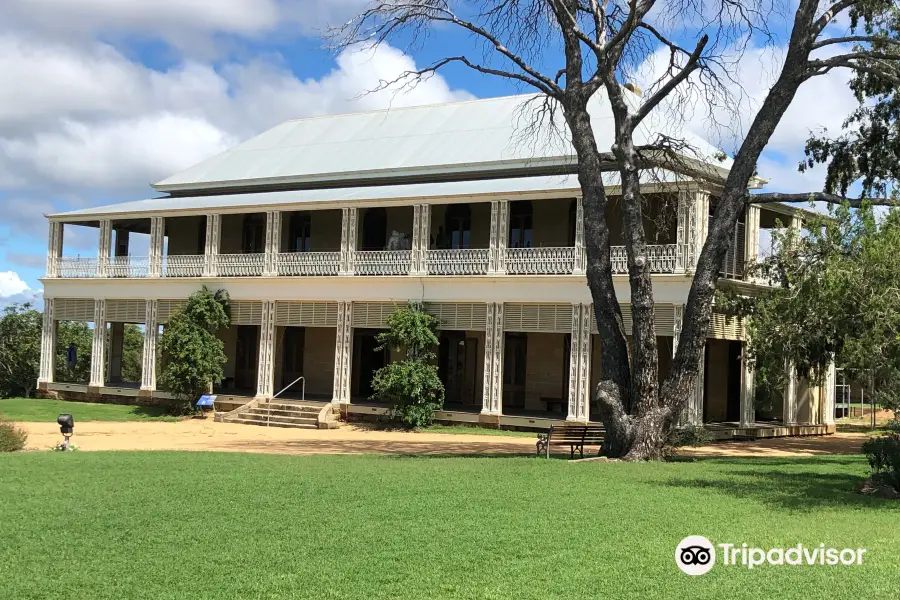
[692,64]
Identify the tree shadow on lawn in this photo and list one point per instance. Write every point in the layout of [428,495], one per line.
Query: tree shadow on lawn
[801,484]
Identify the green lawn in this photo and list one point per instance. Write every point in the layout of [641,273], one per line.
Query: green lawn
[35,409]
[467,430]
[200,525]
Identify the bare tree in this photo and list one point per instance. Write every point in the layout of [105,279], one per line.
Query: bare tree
[569,50]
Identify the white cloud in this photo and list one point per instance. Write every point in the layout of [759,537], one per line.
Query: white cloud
[821,102]
[11,284]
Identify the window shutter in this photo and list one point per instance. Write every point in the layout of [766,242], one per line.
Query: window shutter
[126,311]
[471,316]
[73,309]
[306,314]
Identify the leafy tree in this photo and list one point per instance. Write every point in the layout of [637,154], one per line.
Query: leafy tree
[20,350]
[81,335]
[411,385]
[835,296]
[570,50]
[194,356]
[132,353]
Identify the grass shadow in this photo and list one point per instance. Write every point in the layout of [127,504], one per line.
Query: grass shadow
[796,484]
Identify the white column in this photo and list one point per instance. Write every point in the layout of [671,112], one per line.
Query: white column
[421,239]
[580,364]
[828,399]
[751,236]
[157,240]
[348,241]
[103,247]
[98,347]
[151,337]
[748,390]
[416,255]
[692,228]
[213,233]
[265,373]
[48,345]
[273,243]
[54,248]
[499,233]
[789,404]
[343,353]
[580,255]
[492,400]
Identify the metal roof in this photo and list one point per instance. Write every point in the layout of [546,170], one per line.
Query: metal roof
[469,190]
[458,137]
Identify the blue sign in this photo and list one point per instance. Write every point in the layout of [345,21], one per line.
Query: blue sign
[206,400]
[71,356]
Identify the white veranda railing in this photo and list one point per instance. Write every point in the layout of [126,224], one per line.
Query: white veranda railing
[70,267]
[129,266]
[308,263]
[540,261]
[186,265]
[663,258]
[240,265]
[463,261]
[382,262]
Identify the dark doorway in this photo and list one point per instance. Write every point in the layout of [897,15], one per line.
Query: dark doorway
[253,238]
[292,356]
[370,360]
[374,234]
[521,224]
[458,225]
[299,233]
[514,353]
[733,406]
[458,366]
[246,357]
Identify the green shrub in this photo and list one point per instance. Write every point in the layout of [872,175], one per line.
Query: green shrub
[193,357]
[411,386]
[691,435]
[883,454]
[12,438]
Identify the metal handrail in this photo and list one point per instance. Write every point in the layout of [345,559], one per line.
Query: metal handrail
[290,385]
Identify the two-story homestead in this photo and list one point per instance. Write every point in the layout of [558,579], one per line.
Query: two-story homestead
[319,228]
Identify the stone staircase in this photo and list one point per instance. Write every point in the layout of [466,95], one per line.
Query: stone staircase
[278,414]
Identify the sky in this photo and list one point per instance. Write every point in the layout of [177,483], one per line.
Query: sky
[99,98]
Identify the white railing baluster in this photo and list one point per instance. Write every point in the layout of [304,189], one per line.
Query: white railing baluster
[383,262]
[77,268]
[461,261]
[240,265]
[308,263]
[184,265]
[540,261]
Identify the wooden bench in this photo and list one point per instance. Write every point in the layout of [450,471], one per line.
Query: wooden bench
[574,436]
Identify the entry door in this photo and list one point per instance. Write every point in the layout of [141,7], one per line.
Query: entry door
[515,351]
[246,357]
[370,360]
[457,366]
[294,348]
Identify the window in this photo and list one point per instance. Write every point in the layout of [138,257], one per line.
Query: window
[520,224]
[458,220]
[299,229]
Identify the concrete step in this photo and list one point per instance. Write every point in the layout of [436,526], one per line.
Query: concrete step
[292,407]
[279,418]
[273,423]
[261,410]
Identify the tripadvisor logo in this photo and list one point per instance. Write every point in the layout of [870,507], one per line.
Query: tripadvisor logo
[696,555]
